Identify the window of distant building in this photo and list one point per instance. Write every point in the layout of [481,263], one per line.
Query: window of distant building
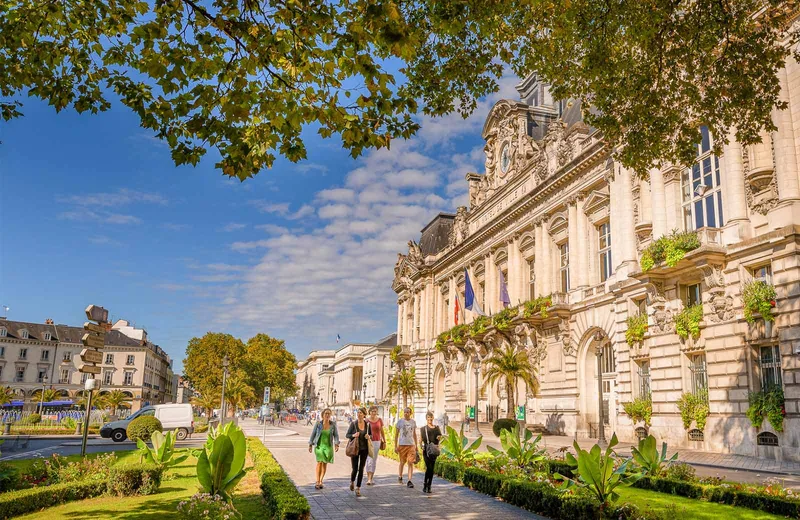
[23,353]
[109,359]
[692,294]
[564,269]
[131,358]
[763,274]
[128,378]
[107,375]
[45,355]
[531,280]
[697,367]
[64,379]
[67,357]
[644,378]
[700,185]
[24,334]
[604,250]
[3,332]
[20,377]
[46,336]
[41,376]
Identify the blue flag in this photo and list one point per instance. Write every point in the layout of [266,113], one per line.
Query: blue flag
[470,303]
[504,291]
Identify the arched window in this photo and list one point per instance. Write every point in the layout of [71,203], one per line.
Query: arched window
[696,435]
[767,439]
[700,188]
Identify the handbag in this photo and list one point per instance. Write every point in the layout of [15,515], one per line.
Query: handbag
[431,450]
[351,450]
[370,446]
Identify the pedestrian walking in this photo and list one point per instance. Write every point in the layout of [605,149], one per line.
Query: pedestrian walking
[360,432]
[324,441]
[309,418]
[405,445]
[430,434]
[378,440]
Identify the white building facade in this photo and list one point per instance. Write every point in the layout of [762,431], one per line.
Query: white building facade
[562,221]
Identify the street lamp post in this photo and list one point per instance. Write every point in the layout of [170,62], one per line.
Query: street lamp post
[224,376]
[601,440]
[477,364]
[41,402]
[364,394]
[334,400]
[316,404]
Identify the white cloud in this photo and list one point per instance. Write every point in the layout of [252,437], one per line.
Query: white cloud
[303,212]
[269,207]
[121,197]
[272,229]
[307,167]
[337,195]
[334,211]
[100,217]
[233,226]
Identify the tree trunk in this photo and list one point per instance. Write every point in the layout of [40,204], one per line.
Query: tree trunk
[405,401]
[511,399]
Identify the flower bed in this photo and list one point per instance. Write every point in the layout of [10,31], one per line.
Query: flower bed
[281,496]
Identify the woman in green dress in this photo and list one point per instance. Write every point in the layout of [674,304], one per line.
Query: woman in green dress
[324,441]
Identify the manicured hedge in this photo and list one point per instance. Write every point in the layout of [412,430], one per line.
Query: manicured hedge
[538,497]
[16,503]
[282,498]
[723,495]
[135,479]
[559,466]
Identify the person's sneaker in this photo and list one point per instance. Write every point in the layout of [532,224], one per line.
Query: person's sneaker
[400,479]
[410,484]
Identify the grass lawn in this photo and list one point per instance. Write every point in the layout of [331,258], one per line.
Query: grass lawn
[181,483]
[682,507]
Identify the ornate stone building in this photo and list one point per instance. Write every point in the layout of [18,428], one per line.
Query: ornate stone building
[564,222]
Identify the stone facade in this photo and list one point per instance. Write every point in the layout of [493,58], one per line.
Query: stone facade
[559,217]
[31,351]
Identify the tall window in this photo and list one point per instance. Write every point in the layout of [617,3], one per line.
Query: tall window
[45,355]
[130,360]
[564,252]
[692,295]
[604,248]
[532,280]
[2,352]
[109,359]
[770,361]
[84,377]
[482,289]
[64,379]
[700,184]
[608,363]
[23,353]
[20,377]
[763,274]
[697,366]
[40,377]
[644,378]
[67,357]
[128,378]
[107,377]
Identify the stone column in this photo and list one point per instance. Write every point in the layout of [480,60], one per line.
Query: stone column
[786,171]
[514,277]
[737,226]
[581,279]
[658,204]
[451,307]
[490,301]
[672,198]
[547,263]
[575,260]
[626,235]
[399,322]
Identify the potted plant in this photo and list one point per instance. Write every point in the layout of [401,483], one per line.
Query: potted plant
[688,322]
[758,300]
[637,328]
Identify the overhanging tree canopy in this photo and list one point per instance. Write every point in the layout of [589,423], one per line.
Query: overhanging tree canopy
[246,76]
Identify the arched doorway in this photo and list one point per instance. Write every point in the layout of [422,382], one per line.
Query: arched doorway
[597,355]
[439,395]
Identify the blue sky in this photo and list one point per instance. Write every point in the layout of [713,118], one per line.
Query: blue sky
[92,210]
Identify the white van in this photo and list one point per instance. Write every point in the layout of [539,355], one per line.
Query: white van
[173,417]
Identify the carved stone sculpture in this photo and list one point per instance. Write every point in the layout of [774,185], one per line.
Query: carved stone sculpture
[415,253]
[460,230]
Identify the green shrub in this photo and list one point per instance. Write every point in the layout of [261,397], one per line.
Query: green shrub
[560,466]
[769,404]
[647,456]
[502,320]
[640,409]
[452,471]
[60,470]
[203,428]
[687,322]
[694,407]
[9,478]
[282,498]
[637,328]
[758,297]
[456,446]
[143,428]
[544,499]
[669,249]
[394,355]
[483,481]
[163,451]
[680,471]
[458,334]
[537,305]
[480,325]
[135,479]
[16,503]
[503,424]
[33,418]
[69,423]
[202,506]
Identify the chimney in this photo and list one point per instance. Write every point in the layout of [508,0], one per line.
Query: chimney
[48,321]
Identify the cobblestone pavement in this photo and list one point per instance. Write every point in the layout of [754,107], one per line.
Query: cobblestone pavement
[387,499]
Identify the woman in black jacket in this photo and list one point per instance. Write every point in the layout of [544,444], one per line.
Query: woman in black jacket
[430,434]
[361,431]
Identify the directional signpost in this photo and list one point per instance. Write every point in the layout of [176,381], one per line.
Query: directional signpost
[94,339]
[264,410]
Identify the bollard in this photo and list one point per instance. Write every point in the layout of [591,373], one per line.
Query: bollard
[7,428]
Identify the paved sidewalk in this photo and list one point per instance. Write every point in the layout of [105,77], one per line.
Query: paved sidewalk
[387,499]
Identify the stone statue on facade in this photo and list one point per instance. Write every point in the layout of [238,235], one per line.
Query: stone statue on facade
[414,253]
[460,230]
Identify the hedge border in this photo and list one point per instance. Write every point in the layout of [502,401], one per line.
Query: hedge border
[283,500]
[722,495]
[23,501]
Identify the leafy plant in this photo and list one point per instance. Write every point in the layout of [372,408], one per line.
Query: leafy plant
[687,322]
[694,407]
[640,409]
[207,402]
[637,328]
[669,249]
[115,399]
[596,472]
[537,305]
[441,340]
[480,325]
[60,470]
[458,334]
[143,427]
[69,423]
[163,451]
[456,446]
[503,424]
[758,297]
[405,383]
[33,418]
[648,457]
[6,395]
[512,365]
[769,404]
[502,320]
[394,355]
[220,468]
[680,471]
[135,479]
[523,452]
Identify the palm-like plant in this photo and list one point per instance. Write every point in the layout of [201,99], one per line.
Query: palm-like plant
[99,401]
[512,366]
[116,398]
[49,395]
[6,395]
[238,393]
[404,383]
[207,402]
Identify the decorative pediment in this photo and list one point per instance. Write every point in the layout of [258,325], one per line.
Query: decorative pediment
[407,266]
[595,200]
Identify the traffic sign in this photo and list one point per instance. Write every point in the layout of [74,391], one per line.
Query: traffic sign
[91,327]
[89,369]
[93,340]
[91,356]
[97,313]
[266,394]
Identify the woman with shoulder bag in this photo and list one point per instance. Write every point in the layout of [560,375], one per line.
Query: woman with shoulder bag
[358,448]
[378,440]
[324,441]
[431,434]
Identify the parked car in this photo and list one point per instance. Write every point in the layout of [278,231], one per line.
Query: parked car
[292,418]
[173,417]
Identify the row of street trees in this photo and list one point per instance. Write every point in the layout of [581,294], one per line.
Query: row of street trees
[113,400]
[261,361]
